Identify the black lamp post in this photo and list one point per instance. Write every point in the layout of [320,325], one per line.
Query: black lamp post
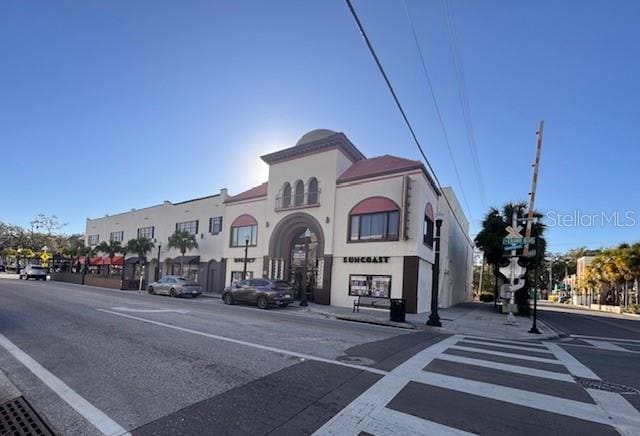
[246,251]
[157,275]
[534,327]
[305,285]
[434,318]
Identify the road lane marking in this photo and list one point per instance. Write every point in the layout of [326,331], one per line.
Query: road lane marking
[574,366]
[88,411]
[625,416]
[129,309]
[487,340]
[386,422]
[503,354]
[249,344]
[533,400]
[602,338]
[515,347]
[356,415]
[506,367]
[604,345]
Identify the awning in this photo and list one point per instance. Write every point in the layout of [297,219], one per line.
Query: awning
[131,259]
[188,260]
[100,260]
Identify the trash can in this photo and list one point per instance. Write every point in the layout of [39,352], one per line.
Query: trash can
[398,309]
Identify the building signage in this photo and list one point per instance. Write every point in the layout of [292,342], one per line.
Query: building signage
[366,259]
[241,259]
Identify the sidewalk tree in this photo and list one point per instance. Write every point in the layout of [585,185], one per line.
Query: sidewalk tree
[140,246]
[182,241]
[111,249]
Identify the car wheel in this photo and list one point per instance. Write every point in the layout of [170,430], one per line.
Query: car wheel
[26,277]
[262,302]
[228,298]
[172,293]
[151,291]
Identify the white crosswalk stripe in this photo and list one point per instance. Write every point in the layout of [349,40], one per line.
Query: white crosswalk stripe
[370,412]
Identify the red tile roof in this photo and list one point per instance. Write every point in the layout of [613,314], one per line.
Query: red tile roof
[377,166]
[256,192]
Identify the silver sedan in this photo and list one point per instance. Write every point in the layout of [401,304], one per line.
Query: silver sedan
[175,286]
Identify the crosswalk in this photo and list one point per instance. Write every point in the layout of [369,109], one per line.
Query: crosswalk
[473,385]
[605,343]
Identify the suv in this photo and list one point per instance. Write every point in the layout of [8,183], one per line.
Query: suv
[33,272]
[263,292]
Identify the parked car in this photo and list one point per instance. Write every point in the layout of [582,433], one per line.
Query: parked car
[2,268]
[564,299]
[263,292]
[33,272]
[175,286]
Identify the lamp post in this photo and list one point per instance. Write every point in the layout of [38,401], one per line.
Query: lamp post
[246,251]
[303,295]
[157,275]
[534,327]
[434,318]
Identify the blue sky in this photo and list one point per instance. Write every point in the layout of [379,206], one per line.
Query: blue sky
[105,106]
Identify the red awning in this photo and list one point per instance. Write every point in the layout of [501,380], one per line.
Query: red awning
[102,260]
[244,220]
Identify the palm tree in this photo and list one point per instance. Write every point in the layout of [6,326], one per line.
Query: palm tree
[183,241]
[140,246]
[110,248]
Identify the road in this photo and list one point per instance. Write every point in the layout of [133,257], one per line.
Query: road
[97,361]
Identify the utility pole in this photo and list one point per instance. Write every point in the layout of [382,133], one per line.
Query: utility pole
[534,185]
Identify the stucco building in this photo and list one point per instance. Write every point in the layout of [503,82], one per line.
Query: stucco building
[369,225]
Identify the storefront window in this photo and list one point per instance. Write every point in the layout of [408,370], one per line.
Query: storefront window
[370,286]
[240,234]
[374,227]
[236,276]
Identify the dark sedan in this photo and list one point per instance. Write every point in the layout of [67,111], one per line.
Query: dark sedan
[263,292]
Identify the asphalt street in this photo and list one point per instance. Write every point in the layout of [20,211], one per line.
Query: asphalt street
[98,361]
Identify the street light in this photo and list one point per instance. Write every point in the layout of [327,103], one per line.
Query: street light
[534,328]
[303,296]
[434,318]
[246,250]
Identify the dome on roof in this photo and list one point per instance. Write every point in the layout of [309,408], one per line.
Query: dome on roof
[314,135]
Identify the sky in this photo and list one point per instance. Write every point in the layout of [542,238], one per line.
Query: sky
[111,105]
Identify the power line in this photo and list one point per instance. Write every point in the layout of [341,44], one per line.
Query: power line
[462,95]
[425,71]
[404,115]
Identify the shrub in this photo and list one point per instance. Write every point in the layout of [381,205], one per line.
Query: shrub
[633,308]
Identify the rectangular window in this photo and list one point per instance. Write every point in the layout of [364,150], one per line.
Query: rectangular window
[215,225]
[236,276]
[190,227]
[116,236]
[370,286]
[240,234]
[94,239]
[427,231]
[146,232]
[375,227]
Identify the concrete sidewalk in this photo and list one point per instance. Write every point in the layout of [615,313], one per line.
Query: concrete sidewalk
[478,319]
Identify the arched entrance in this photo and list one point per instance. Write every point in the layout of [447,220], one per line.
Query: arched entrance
[296,245]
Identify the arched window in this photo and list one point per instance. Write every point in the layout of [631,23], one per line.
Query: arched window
[299,195]
[244,228]
[427,226]
[374,219]
[286,195]
[312,195]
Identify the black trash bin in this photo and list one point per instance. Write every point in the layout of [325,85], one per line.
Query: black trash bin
[398,309]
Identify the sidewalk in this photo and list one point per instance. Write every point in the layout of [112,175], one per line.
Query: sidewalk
[478,319]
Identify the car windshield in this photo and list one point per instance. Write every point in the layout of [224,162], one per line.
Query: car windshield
[36,268]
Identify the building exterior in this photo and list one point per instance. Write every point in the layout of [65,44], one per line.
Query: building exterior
[355,225]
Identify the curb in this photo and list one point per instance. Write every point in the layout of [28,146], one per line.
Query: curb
[8,391]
